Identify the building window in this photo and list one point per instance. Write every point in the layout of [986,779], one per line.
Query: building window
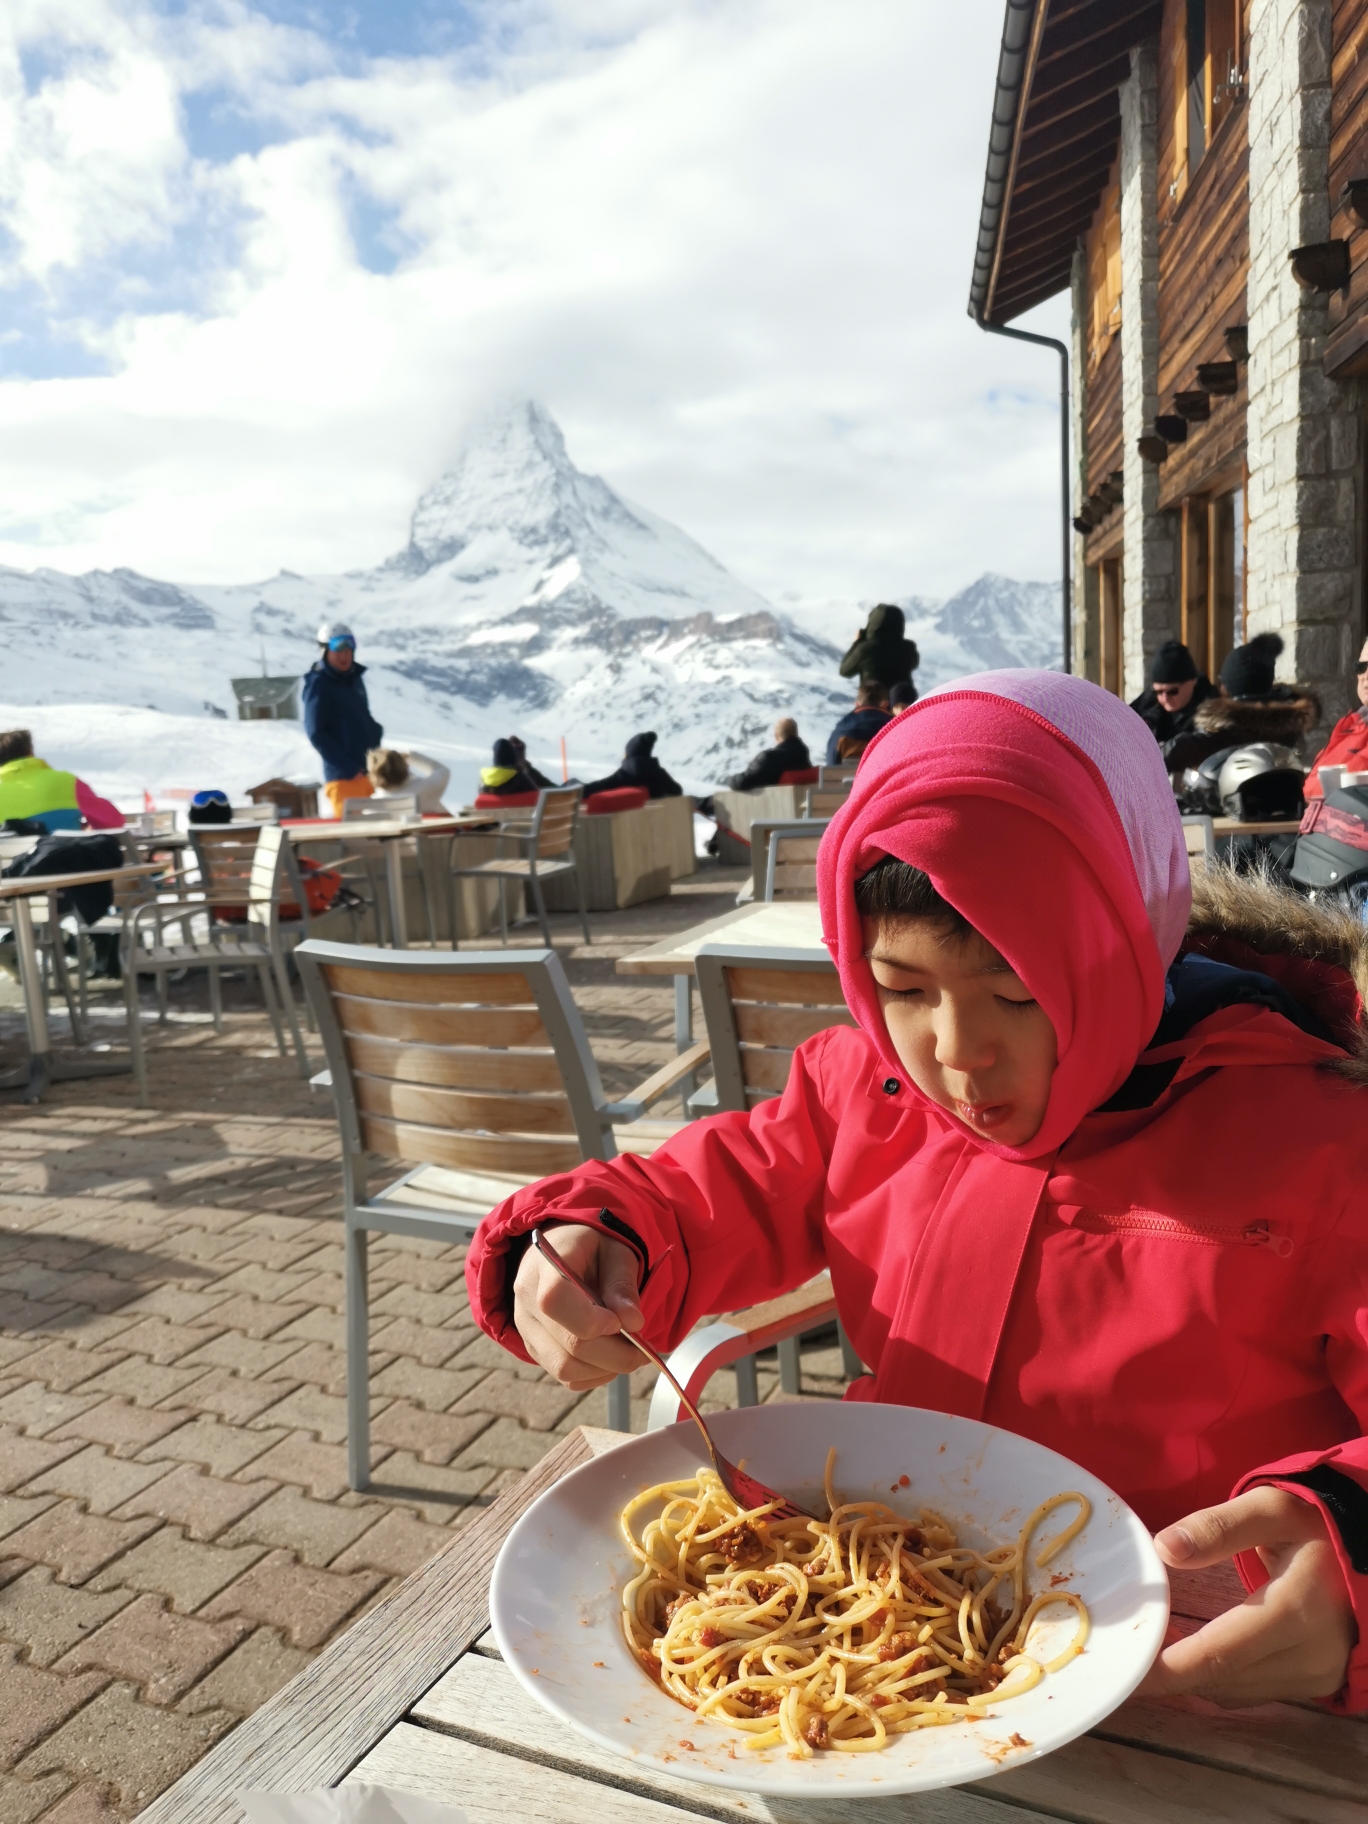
[1207,80]
[1104,272]
[1213,572]
[1111,659]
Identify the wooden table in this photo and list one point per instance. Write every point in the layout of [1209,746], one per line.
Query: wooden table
[390,832]
[415,1697]
[1223,827]
[787,924]
[43,1066]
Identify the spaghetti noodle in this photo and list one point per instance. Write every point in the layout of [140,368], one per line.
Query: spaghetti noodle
[839,1633]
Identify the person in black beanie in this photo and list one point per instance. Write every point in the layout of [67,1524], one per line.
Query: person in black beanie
[1175,692]
[1250,707]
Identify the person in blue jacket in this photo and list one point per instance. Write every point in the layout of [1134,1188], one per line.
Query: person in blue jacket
[337,716]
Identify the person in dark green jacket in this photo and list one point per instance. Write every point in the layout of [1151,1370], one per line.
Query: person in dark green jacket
[881,655]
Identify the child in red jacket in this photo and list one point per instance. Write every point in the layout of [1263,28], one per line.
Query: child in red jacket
[1066,1179]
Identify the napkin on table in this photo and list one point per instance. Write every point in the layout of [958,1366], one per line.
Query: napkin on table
[346,1805]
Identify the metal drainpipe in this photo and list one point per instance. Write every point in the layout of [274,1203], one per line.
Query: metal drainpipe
[1025,335]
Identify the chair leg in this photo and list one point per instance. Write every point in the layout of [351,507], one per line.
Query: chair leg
[747,1384]
[133,1016]
[584,910]
[82,971]
[216,997]
[620,1403]
[503,910]
[790,1366]
[163,997]
[850,1361]
[263,970]
[541,910]
[286,994]
[358,1359]
[63,979]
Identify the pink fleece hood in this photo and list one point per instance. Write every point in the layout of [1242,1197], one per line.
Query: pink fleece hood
[1039,807]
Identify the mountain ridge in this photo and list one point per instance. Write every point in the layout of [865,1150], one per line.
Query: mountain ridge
[529,597]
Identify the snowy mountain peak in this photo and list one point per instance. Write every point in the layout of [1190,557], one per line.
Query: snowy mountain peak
[513,481]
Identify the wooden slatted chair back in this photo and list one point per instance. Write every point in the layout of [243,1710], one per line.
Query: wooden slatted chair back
[829,776]
[227,858]
[397,807]
[825,801]
[791,866]
[553,823]
[477,1062]
[759,1005]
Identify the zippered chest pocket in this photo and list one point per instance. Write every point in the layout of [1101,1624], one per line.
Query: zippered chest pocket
[1174,1228]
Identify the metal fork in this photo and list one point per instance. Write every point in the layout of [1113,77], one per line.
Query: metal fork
[745,1490]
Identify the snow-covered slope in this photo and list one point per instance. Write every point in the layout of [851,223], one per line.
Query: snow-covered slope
[530,598]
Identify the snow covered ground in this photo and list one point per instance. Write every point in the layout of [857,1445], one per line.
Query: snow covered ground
[531,599]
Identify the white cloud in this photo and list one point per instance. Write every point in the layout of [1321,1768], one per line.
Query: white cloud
[729,245]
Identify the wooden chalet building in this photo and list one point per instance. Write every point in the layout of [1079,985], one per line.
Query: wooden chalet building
[1196,173]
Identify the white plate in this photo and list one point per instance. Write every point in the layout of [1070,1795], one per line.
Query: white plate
[555,1598]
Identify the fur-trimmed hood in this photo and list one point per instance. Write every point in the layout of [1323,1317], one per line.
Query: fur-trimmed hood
[1241,720]
[1318,953]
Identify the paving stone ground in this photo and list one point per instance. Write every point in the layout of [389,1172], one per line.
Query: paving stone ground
[176,1533]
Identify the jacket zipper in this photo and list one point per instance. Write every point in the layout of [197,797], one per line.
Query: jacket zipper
[1147,1222]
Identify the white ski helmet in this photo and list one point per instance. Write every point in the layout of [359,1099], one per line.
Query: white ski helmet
[1260,781]
[329,631]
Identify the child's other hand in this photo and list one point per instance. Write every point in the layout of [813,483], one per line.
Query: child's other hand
[1290,1639]
[572,1338]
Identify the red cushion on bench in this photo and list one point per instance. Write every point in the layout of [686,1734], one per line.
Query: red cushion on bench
[806,775]
[624,798]
[492,801]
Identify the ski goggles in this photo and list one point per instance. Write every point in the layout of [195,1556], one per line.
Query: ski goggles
[201,799]
[343,640]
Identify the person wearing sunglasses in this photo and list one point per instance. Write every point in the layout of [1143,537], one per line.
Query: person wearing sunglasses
[1175,692]
[1348,743]
[337,716]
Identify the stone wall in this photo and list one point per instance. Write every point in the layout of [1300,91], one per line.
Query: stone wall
[1150,576]
[1303,580]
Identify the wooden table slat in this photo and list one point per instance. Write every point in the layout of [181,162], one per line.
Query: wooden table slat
[1106,1782]
[479,1701]
[313,1732]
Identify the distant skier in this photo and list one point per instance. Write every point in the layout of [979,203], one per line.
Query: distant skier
[337,716]
[880,654]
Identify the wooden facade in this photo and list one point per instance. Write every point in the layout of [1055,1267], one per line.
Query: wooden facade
[1346,349]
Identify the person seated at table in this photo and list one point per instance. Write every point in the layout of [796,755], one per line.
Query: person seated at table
[869,715]
[399,772]
[1025,1167]
[639,768]
[505,779]
[540,780]
[1250,707]
[901,697]
[788,755]
[31,791]
[1175,692]
[1348,743]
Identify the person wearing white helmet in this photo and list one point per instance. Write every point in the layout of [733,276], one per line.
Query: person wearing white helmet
[337,716]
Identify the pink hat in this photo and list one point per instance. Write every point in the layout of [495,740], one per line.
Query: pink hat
[1039,807]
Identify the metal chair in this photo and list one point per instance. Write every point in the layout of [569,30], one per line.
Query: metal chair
[1199,834]
[759,1004]
[791,865]
[549,842]
[474,1071]
[825,801]
[403,805]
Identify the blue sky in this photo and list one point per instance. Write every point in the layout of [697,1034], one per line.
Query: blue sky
[261,258]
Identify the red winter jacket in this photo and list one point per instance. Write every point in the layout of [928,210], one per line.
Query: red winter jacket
[1178,1298]
[1347,747]
[1172,1288]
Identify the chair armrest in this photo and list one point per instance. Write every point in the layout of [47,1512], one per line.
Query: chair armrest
[727,1339]
[633,1107]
